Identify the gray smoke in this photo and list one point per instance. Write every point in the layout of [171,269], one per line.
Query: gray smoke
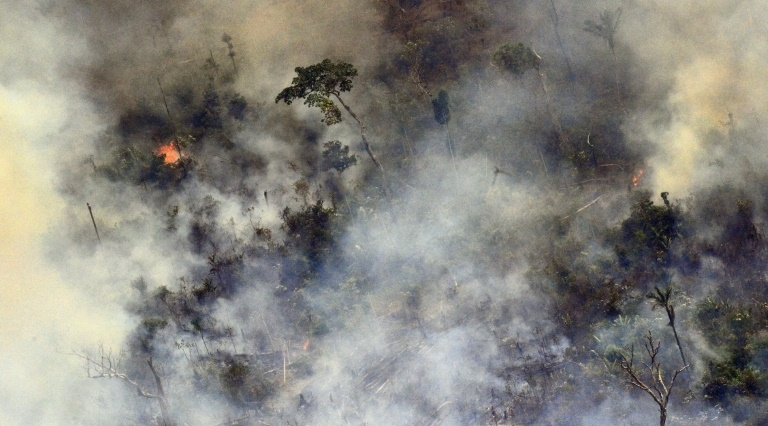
[441,323]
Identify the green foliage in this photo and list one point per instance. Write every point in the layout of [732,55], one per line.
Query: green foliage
[736,332]
[582,299]
[310,239]
[243,383]
[147,333]
[316,83]
[311,228]
[649,230]
[516,58]
[441,109]
[741,239]
[726,379]
[614,353]
[336,156]
[209,116]
[143,167]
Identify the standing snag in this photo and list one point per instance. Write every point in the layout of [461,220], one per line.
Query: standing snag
[108,365]
[650,378]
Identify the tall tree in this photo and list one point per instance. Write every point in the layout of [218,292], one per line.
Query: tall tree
[316,84]
[443,115]
[519,58]
[606,30]
[663,299]
[556,23]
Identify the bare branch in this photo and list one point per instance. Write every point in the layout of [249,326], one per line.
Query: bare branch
[654,384]
[107,366]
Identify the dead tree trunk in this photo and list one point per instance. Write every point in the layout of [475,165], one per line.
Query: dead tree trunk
[652,382]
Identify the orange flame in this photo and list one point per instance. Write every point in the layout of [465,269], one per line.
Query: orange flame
[169,153]
[636,177]
[305,346]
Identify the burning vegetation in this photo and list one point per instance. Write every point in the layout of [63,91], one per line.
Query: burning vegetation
[169,152]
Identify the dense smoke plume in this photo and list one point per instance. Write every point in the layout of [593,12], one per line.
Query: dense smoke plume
[455,287]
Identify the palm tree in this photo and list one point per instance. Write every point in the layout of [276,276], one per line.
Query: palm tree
[663,298]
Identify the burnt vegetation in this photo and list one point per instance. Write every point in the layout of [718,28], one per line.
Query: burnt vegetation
[290,241]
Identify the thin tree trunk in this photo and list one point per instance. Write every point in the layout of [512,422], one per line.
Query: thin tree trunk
[160,393]
[94,222]
[204,344]
[556,23]
[616,76]
[362,135]
[451,151]
[553,116]
[367,146]
[679,346]
[170,120]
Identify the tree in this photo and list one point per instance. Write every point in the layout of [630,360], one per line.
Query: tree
[443,115]
[649,231]
[107,365]
[226,38]
[653,384]
[556,23]
[606,30]
[441,109]
[517,59]
[316,84]
[663,298]
[336,156]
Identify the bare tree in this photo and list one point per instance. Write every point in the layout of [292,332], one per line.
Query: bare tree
[108,365]
[650,378]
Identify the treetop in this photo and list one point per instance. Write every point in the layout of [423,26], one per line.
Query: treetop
[516,58]
[316,83]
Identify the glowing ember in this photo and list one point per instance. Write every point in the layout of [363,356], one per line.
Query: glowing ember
[305,346]
[636,178]
[169,153]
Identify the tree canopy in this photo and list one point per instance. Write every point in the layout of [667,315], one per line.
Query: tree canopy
[441,109]
[317,83]
[515,58]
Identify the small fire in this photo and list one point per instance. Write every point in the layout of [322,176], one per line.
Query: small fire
[305,346]
[636,177]
[169,153]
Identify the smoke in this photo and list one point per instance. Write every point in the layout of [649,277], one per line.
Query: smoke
[707,57]
[428,308]
[43,313]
